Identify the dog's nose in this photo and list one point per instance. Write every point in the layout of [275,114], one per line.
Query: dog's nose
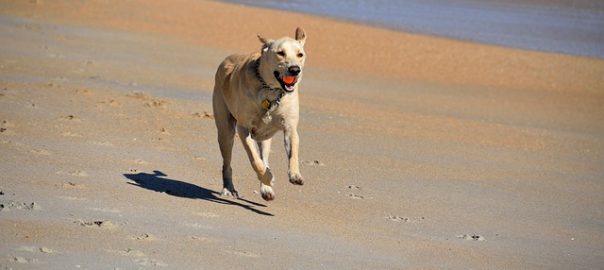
[294,70]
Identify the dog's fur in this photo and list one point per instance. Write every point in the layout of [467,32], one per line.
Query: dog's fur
[250,96]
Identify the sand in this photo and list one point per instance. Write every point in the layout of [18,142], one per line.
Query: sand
[418,152]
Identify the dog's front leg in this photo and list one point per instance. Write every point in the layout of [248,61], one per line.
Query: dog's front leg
[292,142]
[263,172]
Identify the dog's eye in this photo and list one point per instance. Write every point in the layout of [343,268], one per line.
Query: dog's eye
[300,55]
[281,53]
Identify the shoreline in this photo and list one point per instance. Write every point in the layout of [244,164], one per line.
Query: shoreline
[515,26]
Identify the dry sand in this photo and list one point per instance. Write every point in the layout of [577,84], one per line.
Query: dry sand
[419,152]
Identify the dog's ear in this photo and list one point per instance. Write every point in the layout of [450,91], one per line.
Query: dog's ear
[300,35]
[265,42]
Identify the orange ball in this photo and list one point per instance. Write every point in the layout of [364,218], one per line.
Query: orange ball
[289,79]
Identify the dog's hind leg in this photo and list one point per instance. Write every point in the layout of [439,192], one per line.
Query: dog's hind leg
[225,123]
[262,171]
[264,147]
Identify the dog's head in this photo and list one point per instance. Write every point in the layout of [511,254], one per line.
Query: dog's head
[284,60]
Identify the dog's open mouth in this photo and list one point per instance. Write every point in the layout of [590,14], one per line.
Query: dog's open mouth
[287,82]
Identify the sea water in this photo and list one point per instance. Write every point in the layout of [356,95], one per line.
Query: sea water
[570,27]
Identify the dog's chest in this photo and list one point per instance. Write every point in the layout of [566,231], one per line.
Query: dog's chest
[266,125]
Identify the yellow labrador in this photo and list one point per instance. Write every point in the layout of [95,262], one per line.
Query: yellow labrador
[257,95]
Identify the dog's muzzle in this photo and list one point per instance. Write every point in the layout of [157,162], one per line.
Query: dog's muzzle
[289,79]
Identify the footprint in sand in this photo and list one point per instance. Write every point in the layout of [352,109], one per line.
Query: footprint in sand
[105,210]
[243,253]
[353,195]
[145,261]
[157,103]
[83,92]
[72,185]
[471,237]
[405,219]
[131,252]
[6,206]
[314,163]
[356,196]
[164,131]
[206,214]
[70,134]
[40,152]
[138,95]
[110,103]
[34,249]
[104,224]
[19,259]
[199,158]
[54,85]
[138,161]
[31,105]
[204,115]
[5,127]
[77,173]
[6,123]
[139,257]
[199,226]
[354,187]
[46,250]
[149,101]
[144,236]
[202,238]
[70,117]
[100,143]
[71,198]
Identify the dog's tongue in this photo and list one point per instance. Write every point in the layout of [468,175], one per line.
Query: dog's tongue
[289,79]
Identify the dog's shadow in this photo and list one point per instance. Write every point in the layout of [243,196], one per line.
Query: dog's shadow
[159,183]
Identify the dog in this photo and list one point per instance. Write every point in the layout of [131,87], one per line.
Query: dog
[257,96]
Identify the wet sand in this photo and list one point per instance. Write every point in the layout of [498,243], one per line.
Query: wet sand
[418,153]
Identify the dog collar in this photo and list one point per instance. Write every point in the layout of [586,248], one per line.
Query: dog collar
[266,103]
[262,81]
[269,105]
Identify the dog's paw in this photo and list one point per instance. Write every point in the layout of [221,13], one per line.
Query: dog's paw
[267,192]
[229,192]
[296,179]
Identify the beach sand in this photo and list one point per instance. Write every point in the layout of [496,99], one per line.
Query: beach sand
[418,152]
